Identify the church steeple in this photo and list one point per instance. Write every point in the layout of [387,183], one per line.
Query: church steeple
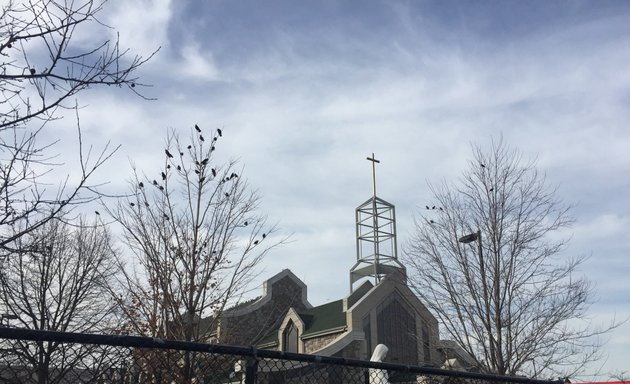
[377,252]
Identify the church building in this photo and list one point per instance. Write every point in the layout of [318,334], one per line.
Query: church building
[380,308]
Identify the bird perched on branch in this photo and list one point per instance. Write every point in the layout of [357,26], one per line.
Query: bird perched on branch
[219,131]
[168,154]
[197,128]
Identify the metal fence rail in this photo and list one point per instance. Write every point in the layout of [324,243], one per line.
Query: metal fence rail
[45,357]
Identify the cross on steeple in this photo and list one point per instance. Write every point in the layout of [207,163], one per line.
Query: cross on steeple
[377,252]
[374,161]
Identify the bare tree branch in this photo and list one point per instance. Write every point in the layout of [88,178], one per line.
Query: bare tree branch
[59,281]
[507,298]
[43,67]
[193,229]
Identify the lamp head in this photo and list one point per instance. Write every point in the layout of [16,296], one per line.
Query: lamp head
[469,238]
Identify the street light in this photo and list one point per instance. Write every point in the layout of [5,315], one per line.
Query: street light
[476,236]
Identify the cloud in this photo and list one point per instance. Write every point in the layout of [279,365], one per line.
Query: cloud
[197,64]
[142,24]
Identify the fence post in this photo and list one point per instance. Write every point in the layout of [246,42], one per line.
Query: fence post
[251,368]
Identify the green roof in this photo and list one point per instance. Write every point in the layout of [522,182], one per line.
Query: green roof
[320,319]
[323,318]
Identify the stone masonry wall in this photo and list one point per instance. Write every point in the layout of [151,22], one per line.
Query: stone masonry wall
[251,326]
[311,345]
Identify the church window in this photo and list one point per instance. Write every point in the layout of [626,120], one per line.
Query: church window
[367,330]
[290,338]
[426,343]
[396,328]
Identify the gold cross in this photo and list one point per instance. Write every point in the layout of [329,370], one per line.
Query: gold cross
[374,161]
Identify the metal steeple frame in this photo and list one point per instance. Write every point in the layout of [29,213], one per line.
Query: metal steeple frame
[377,251]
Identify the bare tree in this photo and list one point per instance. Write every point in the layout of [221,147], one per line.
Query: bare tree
[42,69]
[621,376]
[42,65]
[193,229]
[59,281]
[486,258]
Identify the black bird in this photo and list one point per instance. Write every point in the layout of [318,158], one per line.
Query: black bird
[32,70]
[427,206]
[201,138]
[233,175]
[431,221]
[227,194]
[97,213]
[179,168]
[202,179]
[433,207]
[256,242]
[214,138]
[196,171]
[205,161]
[181,153]
[166,216]
[491,189]
[132,204]
[245,223]
[212,148]
[197,128]
[163,176]
[264,235]
[482,165]
[155,182]
[146,203]
[214,172]
[141,184]
[168,154]
[168,166]
[441,209]
[219,131]
[161,188]
[190,146]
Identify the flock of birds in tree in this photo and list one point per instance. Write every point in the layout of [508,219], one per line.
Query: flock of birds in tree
[483,166]
[198,170]
[199,164]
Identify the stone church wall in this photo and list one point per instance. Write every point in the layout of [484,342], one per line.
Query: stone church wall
[311,345]
[249,326]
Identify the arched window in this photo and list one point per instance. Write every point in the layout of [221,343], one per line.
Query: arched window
[396,328]
[290,338]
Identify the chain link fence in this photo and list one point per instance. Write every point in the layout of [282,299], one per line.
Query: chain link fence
[44,357]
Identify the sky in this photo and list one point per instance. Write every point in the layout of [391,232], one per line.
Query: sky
[305,90]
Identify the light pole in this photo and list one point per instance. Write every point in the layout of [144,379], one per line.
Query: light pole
[476,236]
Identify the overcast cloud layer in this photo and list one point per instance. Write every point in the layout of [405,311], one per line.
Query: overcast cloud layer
[305,91]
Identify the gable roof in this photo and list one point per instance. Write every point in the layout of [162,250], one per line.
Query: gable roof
[323,318]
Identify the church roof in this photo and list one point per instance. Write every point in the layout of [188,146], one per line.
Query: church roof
[323,318]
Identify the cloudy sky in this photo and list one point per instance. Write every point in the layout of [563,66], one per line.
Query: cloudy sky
[305,90]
